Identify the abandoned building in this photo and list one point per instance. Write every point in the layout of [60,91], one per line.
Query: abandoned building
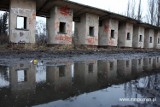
[93,26]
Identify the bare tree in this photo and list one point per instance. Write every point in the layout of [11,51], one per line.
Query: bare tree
[158,13]
[131,8]
[152,12]
[139,16]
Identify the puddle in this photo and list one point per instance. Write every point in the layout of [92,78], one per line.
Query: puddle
[89,83]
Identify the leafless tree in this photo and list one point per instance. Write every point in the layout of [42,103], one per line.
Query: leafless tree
[139,16]
[152,12]
[158,13]
[131,8]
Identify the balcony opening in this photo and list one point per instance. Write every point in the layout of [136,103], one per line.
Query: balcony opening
[62,27]
[150,40]
[128,36]
[112,34]
[21,22]
[140,38]
[91,31]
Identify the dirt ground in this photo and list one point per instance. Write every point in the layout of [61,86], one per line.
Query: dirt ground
[11,55]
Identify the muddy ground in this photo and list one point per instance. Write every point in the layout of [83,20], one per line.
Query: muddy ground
[8,56]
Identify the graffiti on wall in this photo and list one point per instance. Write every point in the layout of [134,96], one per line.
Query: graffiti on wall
[21,11]
[92,40]
[106,28]
[64,38]
[65,10]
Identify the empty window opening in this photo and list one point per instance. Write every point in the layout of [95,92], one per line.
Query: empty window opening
[157,59]
[62,27]
[140,38]
[100,23]
[149,60]
[139,62]
[127,64]
[158,40]
[90,67]
[21,22]
[128,36]
[111,65]
[112,34]
[91,31]
[150,40]
[22,75]
[62,71]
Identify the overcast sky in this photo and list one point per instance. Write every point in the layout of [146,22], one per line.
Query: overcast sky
[117,6]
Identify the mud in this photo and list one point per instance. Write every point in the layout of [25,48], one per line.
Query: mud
[12,56]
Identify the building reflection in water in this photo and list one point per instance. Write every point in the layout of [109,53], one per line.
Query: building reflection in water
[107,70]
[85,74]
[67,79]
[148,64]
[124,67]
[22,76]
[60,76]
[137,65]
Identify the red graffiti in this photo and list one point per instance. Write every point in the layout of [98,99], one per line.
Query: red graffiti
[106,28]
[111,43]
[91,40]
[64,38]
[65,10]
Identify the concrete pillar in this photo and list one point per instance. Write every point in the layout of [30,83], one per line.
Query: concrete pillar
[125,34]
[59,76]
[59,25]
[107,69]
[138,36]
[108,32]
[86,31]
[137,65]
[85,74]
[22,21]
[22,76]
[149,38]
[124,67]
[157,40]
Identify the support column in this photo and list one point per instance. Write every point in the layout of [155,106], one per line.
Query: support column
[125,34]
[86,31]
[138,37]
[108,32]
[149,38]
[22,21]
[59,25]
[157,40]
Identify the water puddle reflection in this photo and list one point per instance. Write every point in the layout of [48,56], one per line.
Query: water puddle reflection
[92,83]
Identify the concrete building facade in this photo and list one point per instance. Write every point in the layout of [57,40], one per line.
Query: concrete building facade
[22,21]
[138,36]
[86,31]
[157,40]
[108,32]
[125,34]
[59,25]
[149,38]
